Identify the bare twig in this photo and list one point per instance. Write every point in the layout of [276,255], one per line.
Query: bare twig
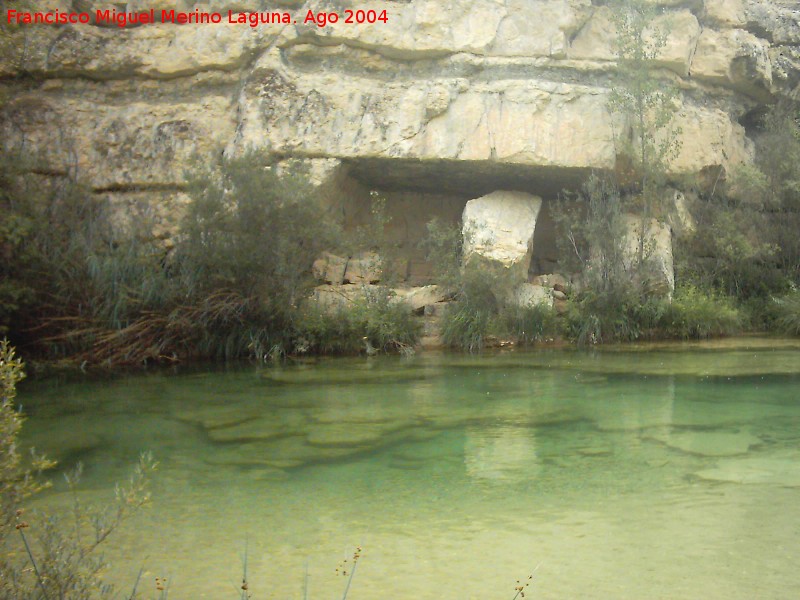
[136,583]
[356,556]
[520,587]
[305,582]
[245,585]
[21,525]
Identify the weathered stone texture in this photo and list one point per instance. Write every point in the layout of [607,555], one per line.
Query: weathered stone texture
[710,138]
[498,234]
[520,122]
[734,58]
[528,294]
[658,264]
[596,41]
[464,94]
[137,144]
[725,13]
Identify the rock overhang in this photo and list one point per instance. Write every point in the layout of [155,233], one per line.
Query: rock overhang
[464,178]
[469,95]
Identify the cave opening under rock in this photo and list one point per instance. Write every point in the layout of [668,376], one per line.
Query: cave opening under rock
[416,191]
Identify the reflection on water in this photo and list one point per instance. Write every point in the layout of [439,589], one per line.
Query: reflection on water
[623,474]
[501,453]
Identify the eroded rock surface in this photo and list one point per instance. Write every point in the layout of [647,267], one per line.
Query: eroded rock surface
[655,252]
[498,233]
[500,80]
[455,98]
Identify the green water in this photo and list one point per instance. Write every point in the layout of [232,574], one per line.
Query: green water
[650,473]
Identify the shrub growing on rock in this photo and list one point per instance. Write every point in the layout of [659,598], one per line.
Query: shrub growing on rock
[249,230]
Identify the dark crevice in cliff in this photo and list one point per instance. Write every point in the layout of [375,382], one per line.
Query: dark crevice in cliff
[133,80]
[753,121]
[129,188]
[385,51]
[694,6]
[470,179]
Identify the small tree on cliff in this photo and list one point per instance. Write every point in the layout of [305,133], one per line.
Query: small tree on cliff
[647,101]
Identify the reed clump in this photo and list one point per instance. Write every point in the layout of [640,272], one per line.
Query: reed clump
[232,282]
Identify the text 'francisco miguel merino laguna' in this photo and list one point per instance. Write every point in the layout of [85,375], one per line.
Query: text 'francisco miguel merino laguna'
[253,19]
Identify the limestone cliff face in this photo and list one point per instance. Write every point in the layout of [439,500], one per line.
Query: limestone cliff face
[449,98]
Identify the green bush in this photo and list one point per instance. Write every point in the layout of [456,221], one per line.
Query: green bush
[694,314]
[733,250]
[251,231]
[778,154]
[17,480]
[387,325]
[592,233]
[621,314]
[746,243]
[16,290]
[60,556]
[527,324]
[616,305]
[76,284]
[467,321]
[484,309]
[443,249]
[788,314]
[466,326]
[759,313]
[48,229]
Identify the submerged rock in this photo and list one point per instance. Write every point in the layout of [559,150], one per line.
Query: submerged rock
[778,469]
[270,426]
[214,416]
[61,443]
[341,435]
[709,443]
[358,373]
[287,453]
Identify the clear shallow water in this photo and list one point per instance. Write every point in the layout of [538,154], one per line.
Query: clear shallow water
[670,472]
